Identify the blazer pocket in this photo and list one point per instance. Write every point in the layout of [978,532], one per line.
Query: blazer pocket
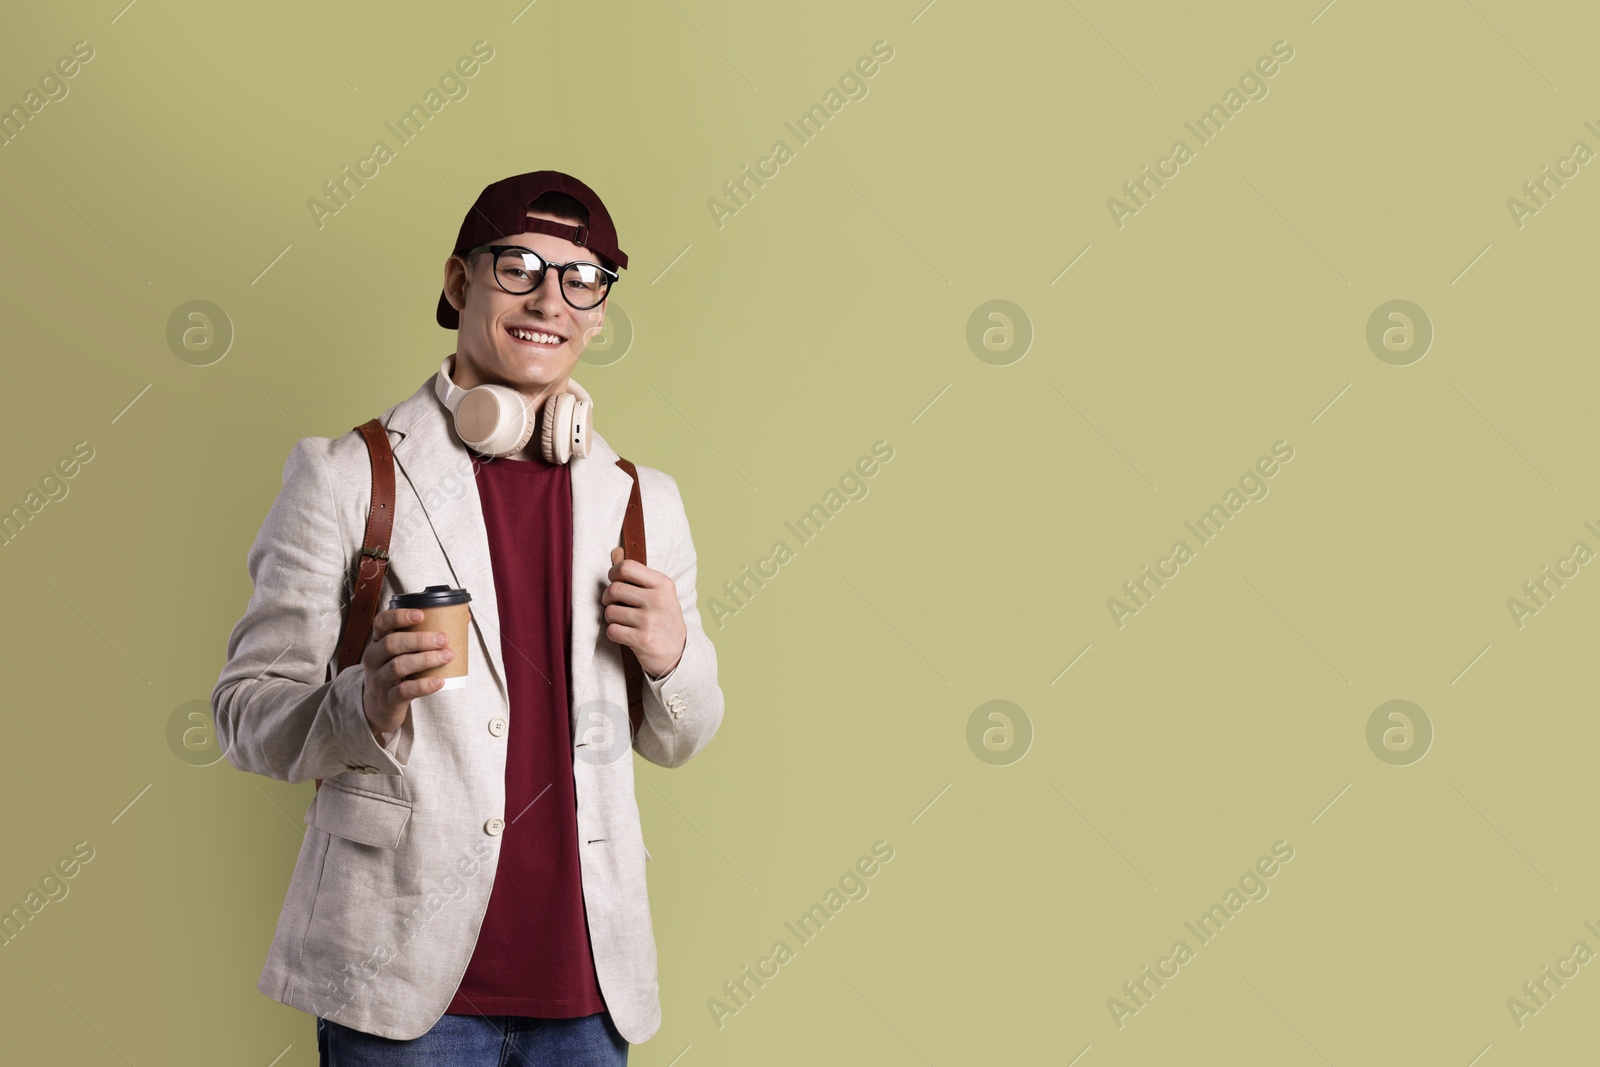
[359,816]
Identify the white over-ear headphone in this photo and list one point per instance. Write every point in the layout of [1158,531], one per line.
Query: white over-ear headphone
[496,420]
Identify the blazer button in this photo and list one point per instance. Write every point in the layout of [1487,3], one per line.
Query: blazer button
[494,826]
[497,726]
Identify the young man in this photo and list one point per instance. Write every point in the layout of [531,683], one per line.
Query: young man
[472,886]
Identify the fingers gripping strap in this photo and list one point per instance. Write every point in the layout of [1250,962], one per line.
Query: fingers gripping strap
[633,547]
[373,562]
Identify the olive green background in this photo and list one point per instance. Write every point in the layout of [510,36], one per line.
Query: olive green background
[768,355]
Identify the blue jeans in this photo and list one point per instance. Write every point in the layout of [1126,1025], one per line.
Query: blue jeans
[480,1041]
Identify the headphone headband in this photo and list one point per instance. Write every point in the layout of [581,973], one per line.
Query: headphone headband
[445,389]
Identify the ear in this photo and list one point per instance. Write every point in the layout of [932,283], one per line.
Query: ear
[455,282]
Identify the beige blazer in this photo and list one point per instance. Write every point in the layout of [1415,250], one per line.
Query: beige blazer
[393,878]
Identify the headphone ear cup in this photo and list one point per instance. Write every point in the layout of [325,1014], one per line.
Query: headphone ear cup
[555,438]
[582,421]
[494,420]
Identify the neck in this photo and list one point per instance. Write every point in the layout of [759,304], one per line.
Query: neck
[465,376]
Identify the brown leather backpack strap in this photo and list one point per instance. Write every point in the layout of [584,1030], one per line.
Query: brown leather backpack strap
[373,563]
[633,547]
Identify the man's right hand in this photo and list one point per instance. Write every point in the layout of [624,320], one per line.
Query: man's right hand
[390,659]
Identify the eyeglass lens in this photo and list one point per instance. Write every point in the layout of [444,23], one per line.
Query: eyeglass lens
[583,284]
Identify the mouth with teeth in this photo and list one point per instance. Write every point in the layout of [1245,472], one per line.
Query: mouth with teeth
[537,339]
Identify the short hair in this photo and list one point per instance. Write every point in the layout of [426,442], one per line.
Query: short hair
[567,207]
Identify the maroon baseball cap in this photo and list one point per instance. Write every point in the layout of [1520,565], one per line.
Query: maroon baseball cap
[502,209]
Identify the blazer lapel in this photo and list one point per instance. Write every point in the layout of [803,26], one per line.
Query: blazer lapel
[429,453]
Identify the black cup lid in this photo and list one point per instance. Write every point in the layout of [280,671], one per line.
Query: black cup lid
[435,596]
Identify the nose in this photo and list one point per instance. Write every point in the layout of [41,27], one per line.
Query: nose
[546,296]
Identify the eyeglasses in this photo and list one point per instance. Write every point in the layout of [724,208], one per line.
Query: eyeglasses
[520,270]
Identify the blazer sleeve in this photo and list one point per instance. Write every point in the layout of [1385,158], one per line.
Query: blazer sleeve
[682,708]
[276,712]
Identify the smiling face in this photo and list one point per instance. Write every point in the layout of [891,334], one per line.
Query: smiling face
[488,345]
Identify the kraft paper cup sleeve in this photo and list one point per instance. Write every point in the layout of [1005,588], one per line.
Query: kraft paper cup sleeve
[451,619]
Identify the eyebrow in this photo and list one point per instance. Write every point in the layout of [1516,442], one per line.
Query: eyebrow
[547,259]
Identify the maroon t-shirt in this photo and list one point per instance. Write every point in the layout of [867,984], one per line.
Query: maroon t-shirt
[533,955]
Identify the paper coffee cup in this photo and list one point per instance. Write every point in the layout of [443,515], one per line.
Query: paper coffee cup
[444,609]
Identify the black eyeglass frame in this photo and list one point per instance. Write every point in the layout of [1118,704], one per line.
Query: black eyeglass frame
[610,276]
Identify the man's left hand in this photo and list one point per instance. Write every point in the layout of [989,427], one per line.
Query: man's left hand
[642,612]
